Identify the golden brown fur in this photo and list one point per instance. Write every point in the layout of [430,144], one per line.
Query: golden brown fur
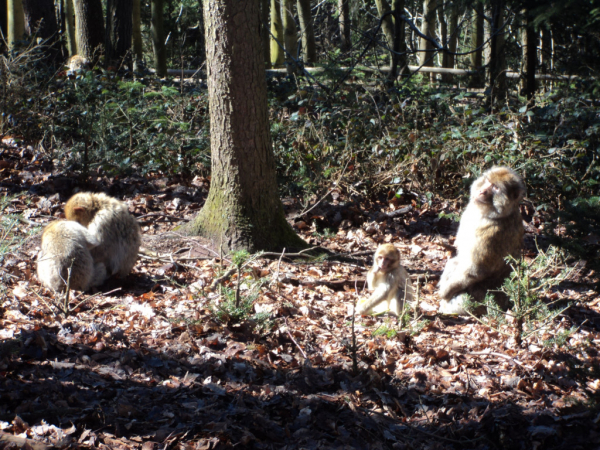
[388,281]
[490,229]
[66,247]
[110,222]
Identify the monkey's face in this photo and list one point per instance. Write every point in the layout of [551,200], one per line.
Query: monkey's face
[386,262]
[485,191]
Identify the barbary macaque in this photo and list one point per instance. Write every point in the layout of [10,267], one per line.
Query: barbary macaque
[389,282]
[77,63]
[110,222]
[65,257]
[490,229]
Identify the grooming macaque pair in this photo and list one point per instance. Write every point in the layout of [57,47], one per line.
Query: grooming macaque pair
[490,229]
[100,238]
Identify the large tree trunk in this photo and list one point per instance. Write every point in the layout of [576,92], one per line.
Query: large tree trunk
[309,46]
[40,21]
[290,33]
[344,18]
[119,25]
[428,29]
[138,49]
[15,21]
[89,25]
[158,38]
[497,55]
[243,209]
[276,34]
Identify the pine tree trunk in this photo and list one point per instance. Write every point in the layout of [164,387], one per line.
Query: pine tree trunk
[497,55]
[276,34]
[158,38]
[290,33]
[89,26]
[309,46]
[15,21]
[428,29]
[243,209]
[265,36]
[70,27]
[119,25]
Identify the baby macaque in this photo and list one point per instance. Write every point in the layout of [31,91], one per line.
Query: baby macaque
[66,258]
[389,282]
[110,222]
[490,229]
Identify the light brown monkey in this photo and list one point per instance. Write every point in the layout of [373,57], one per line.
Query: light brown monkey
[389,282]
[78,63]
[490,229]
[110,222]
[66,248]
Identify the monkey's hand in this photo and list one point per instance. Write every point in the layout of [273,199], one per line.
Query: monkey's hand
[380,294]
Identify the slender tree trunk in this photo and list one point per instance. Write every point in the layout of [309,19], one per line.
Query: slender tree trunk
[345,24]
[309,46]
[276,34]
[290,34]
[428,29]
[40,20]
[119,24]
[452,41]
[264,30]
[387,25]
[15,22]
[547,53]
[158,38]
[243,209]
[3,23]
[89,26]
[477,47]
[70,27]
[443,33]
[399,58]
[138,49]
[497,55]
[530,56]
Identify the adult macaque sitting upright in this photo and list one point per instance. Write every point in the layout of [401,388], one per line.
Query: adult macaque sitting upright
[490,229]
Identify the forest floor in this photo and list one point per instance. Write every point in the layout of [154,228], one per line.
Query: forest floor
[147,363]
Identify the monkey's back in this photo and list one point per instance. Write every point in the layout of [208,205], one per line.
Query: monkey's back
[65,245]
[119,236]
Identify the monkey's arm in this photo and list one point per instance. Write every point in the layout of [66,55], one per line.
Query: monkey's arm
[385,289]
[458,276]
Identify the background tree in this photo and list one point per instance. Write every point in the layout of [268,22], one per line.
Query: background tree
[387,25]
[243,209]
[69,26]
[138,48]
[309,47]
[477,44]
[497,54]
[119,24]
[89,27]
[158,38]
[277,54]
[265,36]
[428,29]
[530,55]
[290,33]
[345,24]
[40,21]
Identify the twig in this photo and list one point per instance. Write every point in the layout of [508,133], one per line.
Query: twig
[287,329]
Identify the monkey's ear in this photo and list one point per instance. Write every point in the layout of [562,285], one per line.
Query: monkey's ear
[79,209]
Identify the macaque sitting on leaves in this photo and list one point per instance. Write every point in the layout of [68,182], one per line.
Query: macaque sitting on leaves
[389,282]
[116,230]
[66,258]
[490,229]
[77,64]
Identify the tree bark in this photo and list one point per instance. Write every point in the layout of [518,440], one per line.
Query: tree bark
[276,34]
[309,46]
[3,23]
[344,18]
[70,27]
[477,43]
[40,21]
[119,25]
[399,58]
[89,26]
[243,209]
[138,49]
[15,21]
[290,34]
[530,56]
[428,29]
[387,25]
[452,42]
[497,55]
[264,30]
[158,38]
